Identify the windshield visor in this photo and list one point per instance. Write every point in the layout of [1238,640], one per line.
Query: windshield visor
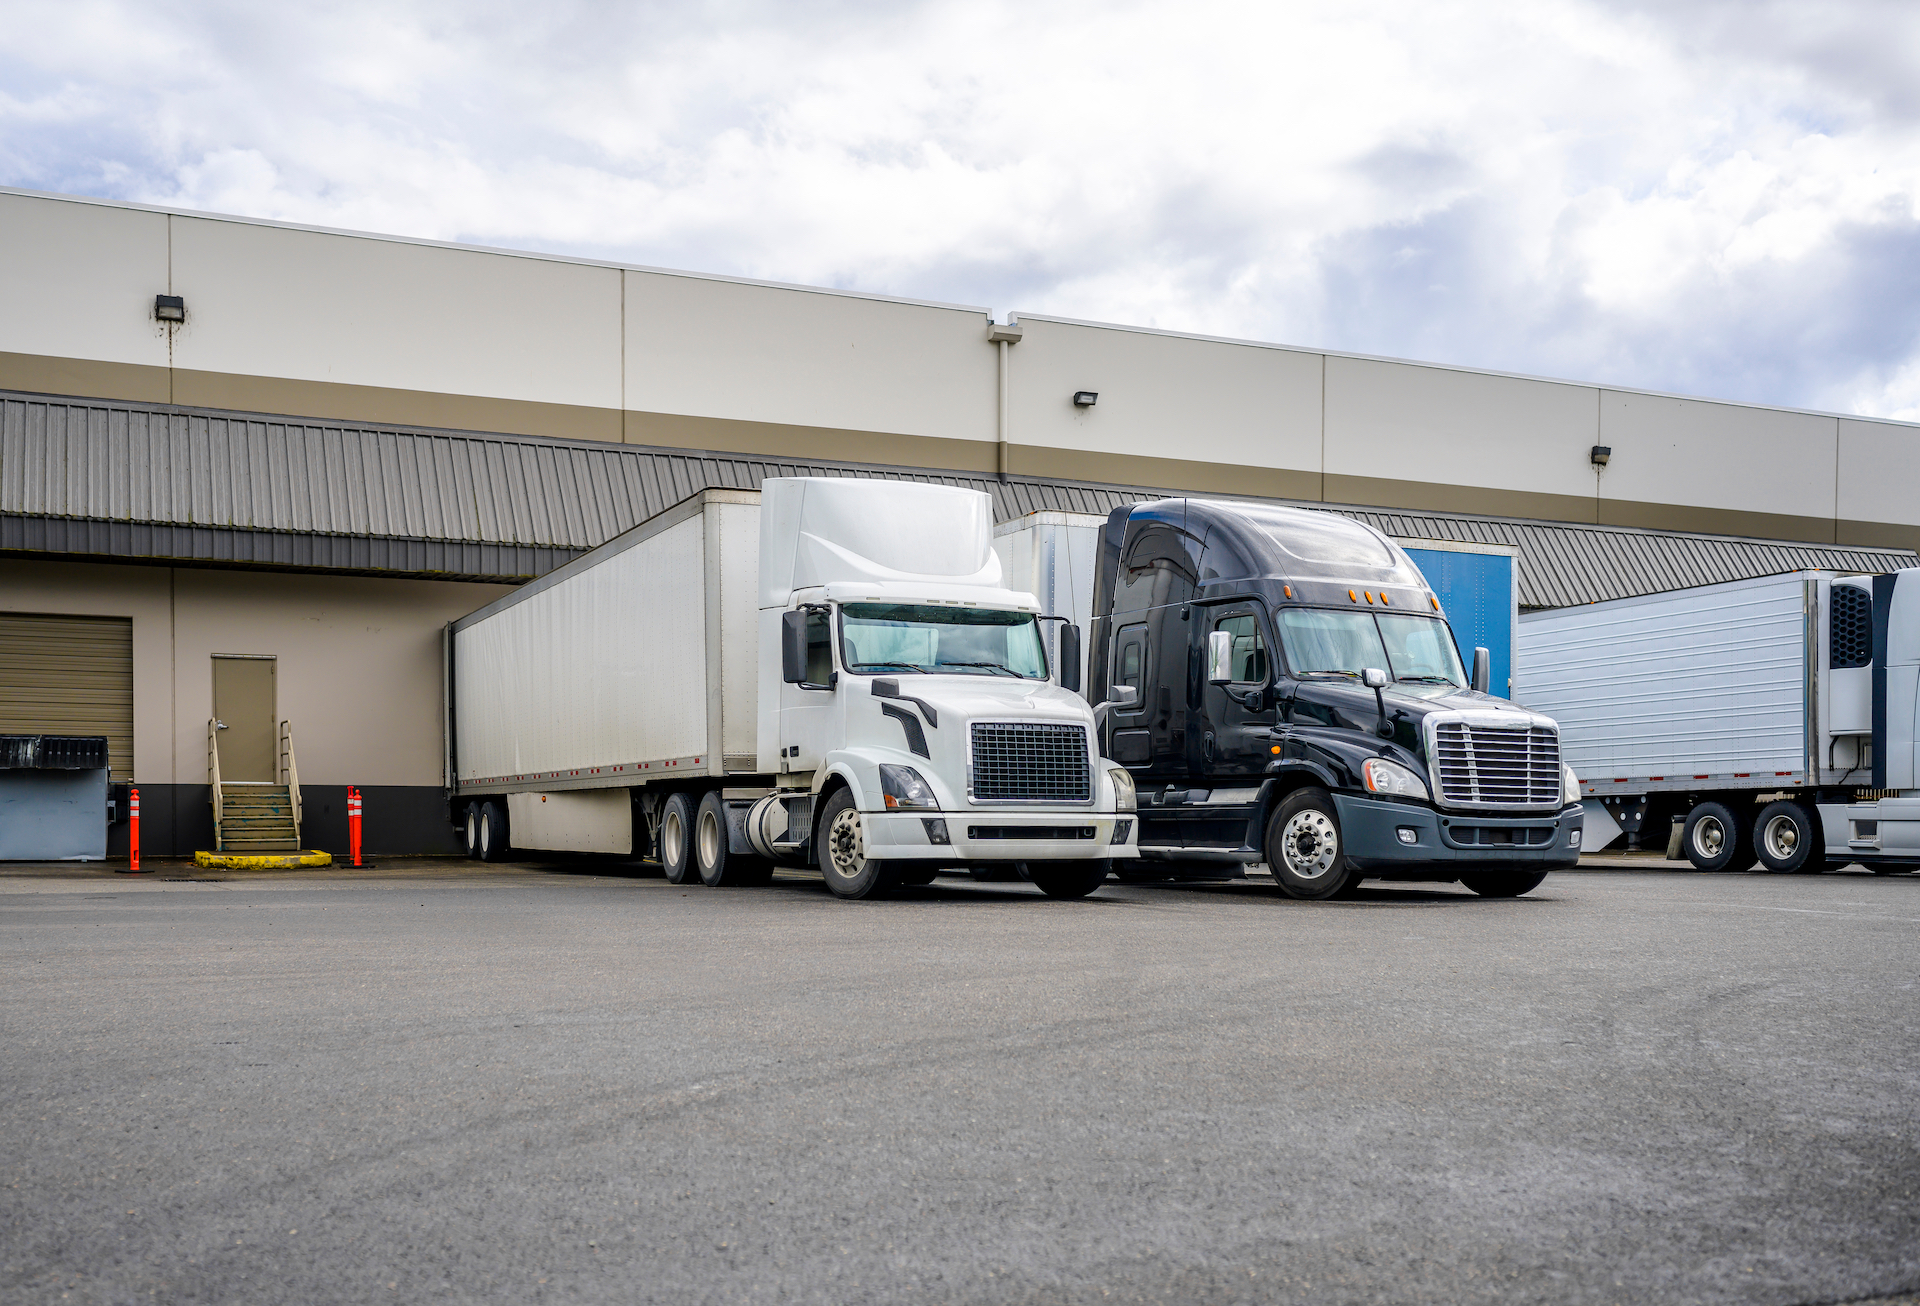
[1406,647]
[877,638]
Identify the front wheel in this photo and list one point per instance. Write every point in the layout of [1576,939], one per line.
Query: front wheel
[1304,849]
[1068,879]
[844,863]
[1503,884]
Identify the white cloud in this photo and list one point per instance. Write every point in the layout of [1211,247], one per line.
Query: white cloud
[1719,198]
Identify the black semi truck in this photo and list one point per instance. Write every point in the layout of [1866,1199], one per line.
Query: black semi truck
[1283,687]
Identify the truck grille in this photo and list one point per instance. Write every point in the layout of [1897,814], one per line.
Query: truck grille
[1482,766]
[1030,762]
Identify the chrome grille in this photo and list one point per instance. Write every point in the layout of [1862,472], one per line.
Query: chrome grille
[1031,762]
[1497,766]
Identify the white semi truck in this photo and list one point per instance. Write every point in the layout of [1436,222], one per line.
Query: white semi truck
[825,672]
[1772,720]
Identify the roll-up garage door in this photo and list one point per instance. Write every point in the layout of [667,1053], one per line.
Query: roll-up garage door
[69,676]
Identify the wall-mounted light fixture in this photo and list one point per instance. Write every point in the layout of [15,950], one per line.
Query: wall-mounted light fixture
[170,308]
[1085,398]
[1601,452]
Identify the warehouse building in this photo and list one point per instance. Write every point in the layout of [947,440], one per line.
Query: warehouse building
[250,470]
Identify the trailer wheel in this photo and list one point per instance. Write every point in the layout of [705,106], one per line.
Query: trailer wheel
[1069,879]
[1503,884]
[1304,849]
[844,863]
[471,826]
[1714,839]
[676,839]
[493,832]
[717,865]
[1787,838]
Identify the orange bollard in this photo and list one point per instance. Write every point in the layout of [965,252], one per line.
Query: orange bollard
[133,830]
[353,823]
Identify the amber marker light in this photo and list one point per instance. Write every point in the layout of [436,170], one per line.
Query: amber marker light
[1369,596]
[1276,748]
[1287,590]
[1385,599]
[1434,601]
[1353,596]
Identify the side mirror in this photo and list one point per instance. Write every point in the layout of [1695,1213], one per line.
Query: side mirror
[793,647]
[1220,658]
[1374,678]
[1482,670]
[1123,696]
[1069,657]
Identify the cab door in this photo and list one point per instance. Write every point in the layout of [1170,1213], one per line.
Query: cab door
[810,713]
[1233,736]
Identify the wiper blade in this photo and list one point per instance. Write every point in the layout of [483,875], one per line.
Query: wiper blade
[993,666]
[875,666]
[1427,680]
[1350,675]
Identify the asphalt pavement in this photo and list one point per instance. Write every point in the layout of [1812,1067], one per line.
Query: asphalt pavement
[577,1083]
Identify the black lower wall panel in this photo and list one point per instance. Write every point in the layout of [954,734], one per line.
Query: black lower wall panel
[397,820]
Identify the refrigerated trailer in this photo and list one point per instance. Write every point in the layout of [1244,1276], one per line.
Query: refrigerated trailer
[826,672]
[1772,719]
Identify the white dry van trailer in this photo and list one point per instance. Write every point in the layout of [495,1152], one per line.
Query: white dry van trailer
[825,672]
[1770,719]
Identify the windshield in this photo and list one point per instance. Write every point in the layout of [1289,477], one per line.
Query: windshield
[1406,647]
[882,637]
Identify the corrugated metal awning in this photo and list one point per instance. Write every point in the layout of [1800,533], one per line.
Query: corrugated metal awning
[99,478]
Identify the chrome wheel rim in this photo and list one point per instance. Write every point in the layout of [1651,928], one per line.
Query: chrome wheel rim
[673,839]
[846,845]
[1709,837]
[1782,837]
[486,834]
[1309,844]
[473,832]
[709,840]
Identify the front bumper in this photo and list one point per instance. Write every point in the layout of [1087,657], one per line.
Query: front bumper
[1074,835]
[1374,832]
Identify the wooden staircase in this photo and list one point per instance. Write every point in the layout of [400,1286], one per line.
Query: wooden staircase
[257,818]
[250,817]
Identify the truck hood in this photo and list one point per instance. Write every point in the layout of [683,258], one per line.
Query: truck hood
[970,698]
[1347,703]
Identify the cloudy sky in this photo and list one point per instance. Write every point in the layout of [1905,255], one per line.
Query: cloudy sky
[1712,198]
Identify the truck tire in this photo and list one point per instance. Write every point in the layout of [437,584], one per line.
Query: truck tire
[844,863]
[1304,849]
[1503,884]
[470,828]
[492,832]
[676,839]
[1714,839]
[711,856]
[1787,838]
[1068,879]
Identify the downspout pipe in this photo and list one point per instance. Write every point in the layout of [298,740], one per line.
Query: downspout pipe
[1005,335]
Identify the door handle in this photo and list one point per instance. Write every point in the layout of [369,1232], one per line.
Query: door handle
[1206,746]
[219,725]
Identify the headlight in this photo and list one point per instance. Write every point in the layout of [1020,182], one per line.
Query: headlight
[1384,777]
[1570,791]
[1123,799]
[901,787]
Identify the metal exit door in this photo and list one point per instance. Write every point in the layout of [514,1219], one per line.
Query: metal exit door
[243,713]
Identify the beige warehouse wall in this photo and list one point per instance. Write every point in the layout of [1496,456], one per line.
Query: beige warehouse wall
[1173,410]
[753,356]
[359,671]
[366,328]
[1749,471]
[80,281]
[388,316]
[1407,436]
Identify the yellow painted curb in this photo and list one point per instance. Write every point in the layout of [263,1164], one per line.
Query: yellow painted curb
[263,861]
